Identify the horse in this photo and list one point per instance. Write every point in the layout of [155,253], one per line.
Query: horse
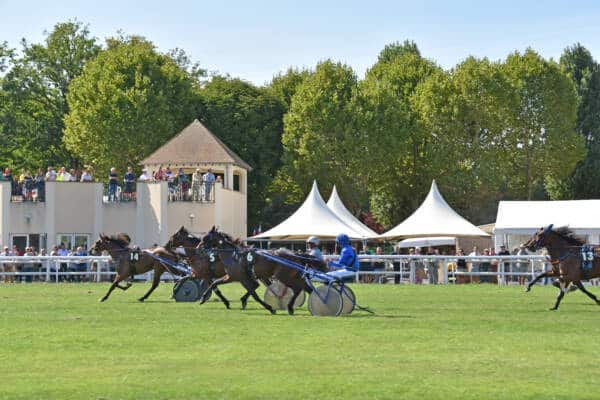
[566,257]
[253,264]
[130,262]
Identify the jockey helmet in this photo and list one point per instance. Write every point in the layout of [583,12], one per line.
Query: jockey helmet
[342,239]
[314,240]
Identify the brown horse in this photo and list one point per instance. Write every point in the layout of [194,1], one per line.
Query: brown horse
[130,262]
[566,258]
[243,262]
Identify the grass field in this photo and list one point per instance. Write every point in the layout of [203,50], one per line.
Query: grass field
[425,342]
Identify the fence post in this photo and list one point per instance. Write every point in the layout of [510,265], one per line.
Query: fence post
[531,263]
[411,274]
[502,277]
[445,268]
[47,265]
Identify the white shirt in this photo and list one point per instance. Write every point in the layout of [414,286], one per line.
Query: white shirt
[144,177]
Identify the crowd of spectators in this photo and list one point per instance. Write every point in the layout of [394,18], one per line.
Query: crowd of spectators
[20,269]
[28,186]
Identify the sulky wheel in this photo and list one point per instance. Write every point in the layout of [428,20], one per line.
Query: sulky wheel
[325,301]
[277,295]
[186,290]
[348,298]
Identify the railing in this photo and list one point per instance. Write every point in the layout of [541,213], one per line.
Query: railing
[400,268]
[201,193]
[53,268]
[403,268]
[27,191]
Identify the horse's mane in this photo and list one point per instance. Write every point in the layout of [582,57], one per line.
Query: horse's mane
[567,234]
[228,238]
[122,239]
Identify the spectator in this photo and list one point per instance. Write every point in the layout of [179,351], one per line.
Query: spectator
[129,180]
[63,175]
[209,181]
[112,184]
[8,177]
[144,176]
[72,176]
[417,266]
[51,175]
[7,267]
[396,266]
[196,183]
[522,266]
[160,174]
[474,265]
[505,265]
[461,266]
[40,185]
[27,185]
[170,178]
[485,266]
[28,266]
[86,176]
[183,182]
[79,267]
[432,267]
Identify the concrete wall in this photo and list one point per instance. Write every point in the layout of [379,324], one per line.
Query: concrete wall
[78,208]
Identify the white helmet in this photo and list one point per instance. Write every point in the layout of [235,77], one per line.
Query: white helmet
[314,240]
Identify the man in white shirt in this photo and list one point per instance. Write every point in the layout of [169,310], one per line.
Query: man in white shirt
[144,176]
[51,174]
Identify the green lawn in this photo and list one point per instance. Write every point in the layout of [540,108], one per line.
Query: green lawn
[425,342]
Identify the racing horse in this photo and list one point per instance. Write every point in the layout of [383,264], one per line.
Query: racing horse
[566,257]
[130,262]
[252,264]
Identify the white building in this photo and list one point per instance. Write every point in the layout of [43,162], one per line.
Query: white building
[518,220]
[76,213]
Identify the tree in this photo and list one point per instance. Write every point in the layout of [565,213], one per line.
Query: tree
[394,147]
[250,121]
[319,138]
[465,112]
[578,63]
[36,85]
[541,136]
[126,103]
[284,86]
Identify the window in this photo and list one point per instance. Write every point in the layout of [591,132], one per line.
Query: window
[236,183]
[22,241]
[73,240]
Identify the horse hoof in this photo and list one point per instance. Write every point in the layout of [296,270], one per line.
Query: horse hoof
[102,300]
[290,311]
[227,305]
[141,300]
[273,312]
[554,309]
[527,289]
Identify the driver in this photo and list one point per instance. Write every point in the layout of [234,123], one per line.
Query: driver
[347,264]
[312,244]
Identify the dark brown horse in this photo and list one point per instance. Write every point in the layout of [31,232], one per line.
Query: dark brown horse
[130,262]
[566,257]
[249,263]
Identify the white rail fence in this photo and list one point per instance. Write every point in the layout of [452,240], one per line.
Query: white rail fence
[374,268]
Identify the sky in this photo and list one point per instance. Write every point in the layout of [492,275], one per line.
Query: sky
[256,39]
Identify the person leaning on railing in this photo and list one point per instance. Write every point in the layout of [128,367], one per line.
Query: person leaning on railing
[209,182]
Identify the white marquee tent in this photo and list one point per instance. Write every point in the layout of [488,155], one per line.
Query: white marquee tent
[335,204]
[516,220]
[434,218]
[428,241]
[312,218]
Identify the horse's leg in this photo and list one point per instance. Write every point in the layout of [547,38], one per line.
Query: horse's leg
[546,274]
[561,294]
[220,295]
[213,287]
[244,300]
[584,290]
[124,288]
[290,306]
[115,284]
[251,287]
[155,281]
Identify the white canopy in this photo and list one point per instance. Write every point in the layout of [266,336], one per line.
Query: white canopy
[335,204]
[434,218]
[428,241]
[313,218]
[528,216]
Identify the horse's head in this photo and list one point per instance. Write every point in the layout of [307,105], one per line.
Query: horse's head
[539,239]
[215,239]
[182,238]
[110,243]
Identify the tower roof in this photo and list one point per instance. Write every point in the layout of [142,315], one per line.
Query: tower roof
[195,144]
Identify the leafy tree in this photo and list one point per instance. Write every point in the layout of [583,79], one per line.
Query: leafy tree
[285,85]
[36,85]
[541,135]
[397,49]
[250,121]
[578,63]
[394,147]
[126,103]
[319,138]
